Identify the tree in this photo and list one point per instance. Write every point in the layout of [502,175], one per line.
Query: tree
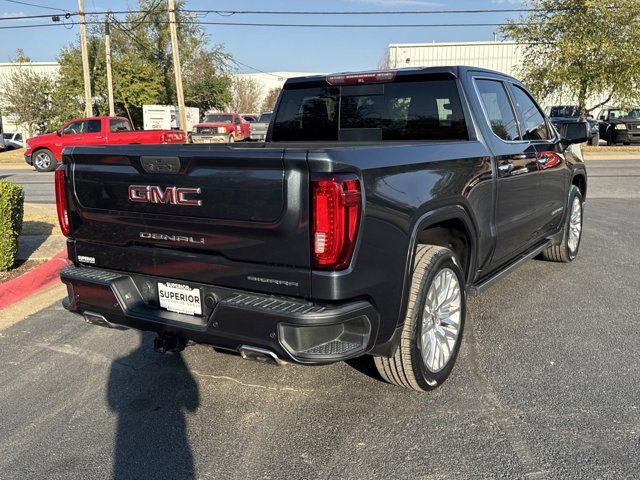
[206,85]
[142,66]
[583,48]
[269,102]
[26,96]
[247,95]
[135,83]
[206,75]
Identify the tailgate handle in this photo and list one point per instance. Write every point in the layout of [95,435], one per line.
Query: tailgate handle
[160,164]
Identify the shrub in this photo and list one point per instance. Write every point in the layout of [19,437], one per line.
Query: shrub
[11,211]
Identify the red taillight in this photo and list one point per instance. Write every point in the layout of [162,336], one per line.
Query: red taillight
[172,137]
[61,200]
[336,205]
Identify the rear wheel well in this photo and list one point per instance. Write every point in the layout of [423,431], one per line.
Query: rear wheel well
[580,182]
[451,234]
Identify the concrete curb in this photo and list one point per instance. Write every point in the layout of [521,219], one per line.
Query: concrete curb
[32,281]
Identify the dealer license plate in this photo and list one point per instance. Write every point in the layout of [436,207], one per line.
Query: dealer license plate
[180,298]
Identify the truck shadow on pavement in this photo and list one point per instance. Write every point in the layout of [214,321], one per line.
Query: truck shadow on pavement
[151,438]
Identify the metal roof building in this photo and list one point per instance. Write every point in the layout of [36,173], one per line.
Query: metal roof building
[501,56]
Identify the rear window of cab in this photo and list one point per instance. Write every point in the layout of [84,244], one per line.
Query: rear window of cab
[404,110]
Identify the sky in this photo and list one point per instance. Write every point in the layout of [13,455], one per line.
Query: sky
[278,48]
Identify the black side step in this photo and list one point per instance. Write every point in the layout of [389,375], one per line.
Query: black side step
[482,286]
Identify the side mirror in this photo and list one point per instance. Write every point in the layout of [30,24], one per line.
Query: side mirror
[59,132]
[574,132]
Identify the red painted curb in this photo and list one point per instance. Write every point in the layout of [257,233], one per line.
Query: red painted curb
[32,281]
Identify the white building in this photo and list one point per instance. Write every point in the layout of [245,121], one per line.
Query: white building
[505,57]
[50,69]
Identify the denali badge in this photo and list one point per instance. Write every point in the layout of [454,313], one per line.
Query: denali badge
[169,195]
[171,238]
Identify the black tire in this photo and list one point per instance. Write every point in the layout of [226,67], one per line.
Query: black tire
[563,252]
[595,140]
[407,368]
[43,160]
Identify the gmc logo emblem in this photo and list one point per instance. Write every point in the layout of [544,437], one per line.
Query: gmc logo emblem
[169,195]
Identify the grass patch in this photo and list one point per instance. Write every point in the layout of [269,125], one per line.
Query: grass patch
[612,149]
[12,156]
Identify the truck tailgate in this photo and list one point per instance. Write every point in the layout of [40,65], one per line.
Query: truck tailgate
[200,213]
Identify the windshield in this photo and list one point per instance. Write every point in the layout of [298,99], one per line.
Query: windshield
[619,113]
[265,117]
[564,111]
[217,118]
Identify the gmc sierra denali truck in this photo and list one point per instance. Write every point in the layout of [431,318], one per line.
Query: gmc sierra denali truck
[377,203]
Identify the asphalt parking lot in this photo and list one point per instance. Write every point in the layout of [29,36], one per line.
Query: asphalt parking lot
[547,386]
[38,187]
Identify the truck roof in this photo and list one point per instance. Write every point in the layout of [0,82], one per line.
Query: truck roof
[99,117]
[452,70]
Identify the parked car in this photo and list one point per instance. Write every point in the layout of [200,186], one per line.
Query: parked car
[259,128]
[220,128]
[44,151]
[620,126]
[378,202]
[12,141]
[560,114]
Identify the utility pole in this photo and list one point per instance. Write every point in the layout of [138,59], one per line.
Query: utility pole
[88,108]
[107,46]
[176,65]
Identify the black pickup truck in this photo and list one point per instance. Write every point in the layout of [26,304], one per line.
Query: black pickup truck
[377,203]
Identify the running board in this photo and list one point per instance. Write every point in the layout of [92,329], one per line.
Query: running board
[481,287]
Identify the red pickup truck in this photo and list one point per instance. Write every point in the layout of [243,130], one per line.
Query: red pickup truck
[221,127]
[45,151]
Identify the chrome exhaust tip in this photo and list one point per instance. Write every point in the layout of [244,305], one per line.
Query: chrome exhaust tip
[261,355]
[97,319]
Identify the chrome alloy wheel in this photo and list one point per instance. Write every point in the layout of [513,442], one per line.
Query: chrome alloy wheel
[575,225]
[441,320]
[42,161]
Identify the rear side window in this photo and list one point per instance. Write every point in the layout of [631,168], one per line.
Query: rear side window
[411,110]
[119,125]
[532,121]
[498,109]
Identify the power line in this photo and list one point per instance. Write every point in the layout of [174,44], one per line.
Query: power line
[238,62]
[382,12]
[154,6]
[29,17]
[292,25]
